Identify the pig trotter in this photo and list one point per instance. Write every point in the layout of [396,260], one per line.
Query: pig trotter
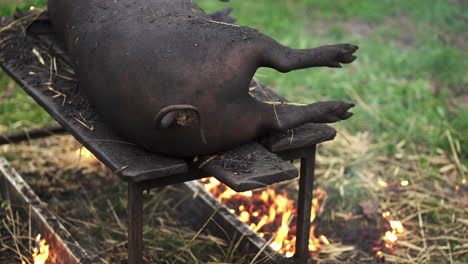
[180,115]
[332,111]
[334,55]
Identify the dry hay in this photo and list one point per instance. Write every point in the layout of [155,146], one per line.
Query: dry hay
[425,189]
[353,168]
[16,241]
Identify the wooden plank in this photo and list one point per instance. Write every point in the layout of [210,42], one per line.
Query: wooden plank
[56,91]
[303,136]
[249,167]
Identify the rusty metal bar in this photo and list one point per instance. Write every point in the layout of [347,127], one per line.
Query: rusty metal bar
[15,190]
[31,134]
[135,224]
[306,189]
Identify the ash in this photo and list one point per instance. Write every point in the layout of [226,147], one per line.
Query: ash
[238,164]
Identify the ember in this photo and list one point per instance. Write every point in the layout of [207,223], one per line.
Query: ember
[270,213]
[404,183]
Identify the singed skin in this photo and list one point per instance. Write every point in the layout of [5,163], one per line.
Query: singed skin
[133,58]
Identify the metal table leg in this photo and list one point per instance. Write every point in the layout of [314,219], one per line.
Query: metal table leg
[135,224]
[306,189]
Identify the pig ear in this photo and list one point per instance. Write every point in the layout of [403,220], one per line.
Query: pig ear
[167,117]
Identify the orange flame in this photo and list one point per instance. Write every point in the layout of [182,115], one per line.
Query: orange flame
[397,226]
[84,153]
[391,236]
[269,213]
[41,251]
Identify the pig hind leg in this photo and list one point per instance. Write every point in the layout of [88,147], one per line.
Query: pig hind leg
[284,116]
[281,117]
[284,59]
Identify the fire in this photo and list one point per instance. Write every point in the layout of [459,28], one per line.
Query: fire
[86,160]
[270,213]
[391,236]
[84,153]
[397,226]
[40,251]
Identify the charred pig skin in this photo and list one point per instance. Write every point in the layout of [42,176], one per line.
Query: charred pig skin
[168,77]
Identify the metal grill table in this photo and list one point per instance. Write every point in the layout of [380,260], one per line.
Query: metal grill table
[40,66]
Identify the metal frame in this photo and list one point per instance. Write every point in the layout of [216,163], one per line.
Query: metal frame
[306,188]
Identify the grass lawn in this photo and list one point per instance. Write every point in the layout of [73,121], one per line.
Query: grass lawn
[410,85]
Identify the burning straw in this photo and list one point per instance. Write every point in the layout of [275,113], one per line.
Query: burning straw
[270,213]
[16,243]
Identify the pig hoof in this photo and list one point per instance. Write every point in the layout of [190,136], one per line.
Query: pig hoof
[335,111]
[342,53]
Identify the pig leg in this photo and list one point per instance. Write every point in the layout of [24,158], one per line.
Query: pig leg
[283,116]
[284,59]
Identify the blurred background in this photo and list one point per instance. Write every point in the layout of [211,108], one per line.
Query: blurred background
[409,83]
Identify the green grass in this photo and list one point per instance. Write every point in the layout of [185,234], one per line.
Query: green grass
[18,111]
[8,7]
